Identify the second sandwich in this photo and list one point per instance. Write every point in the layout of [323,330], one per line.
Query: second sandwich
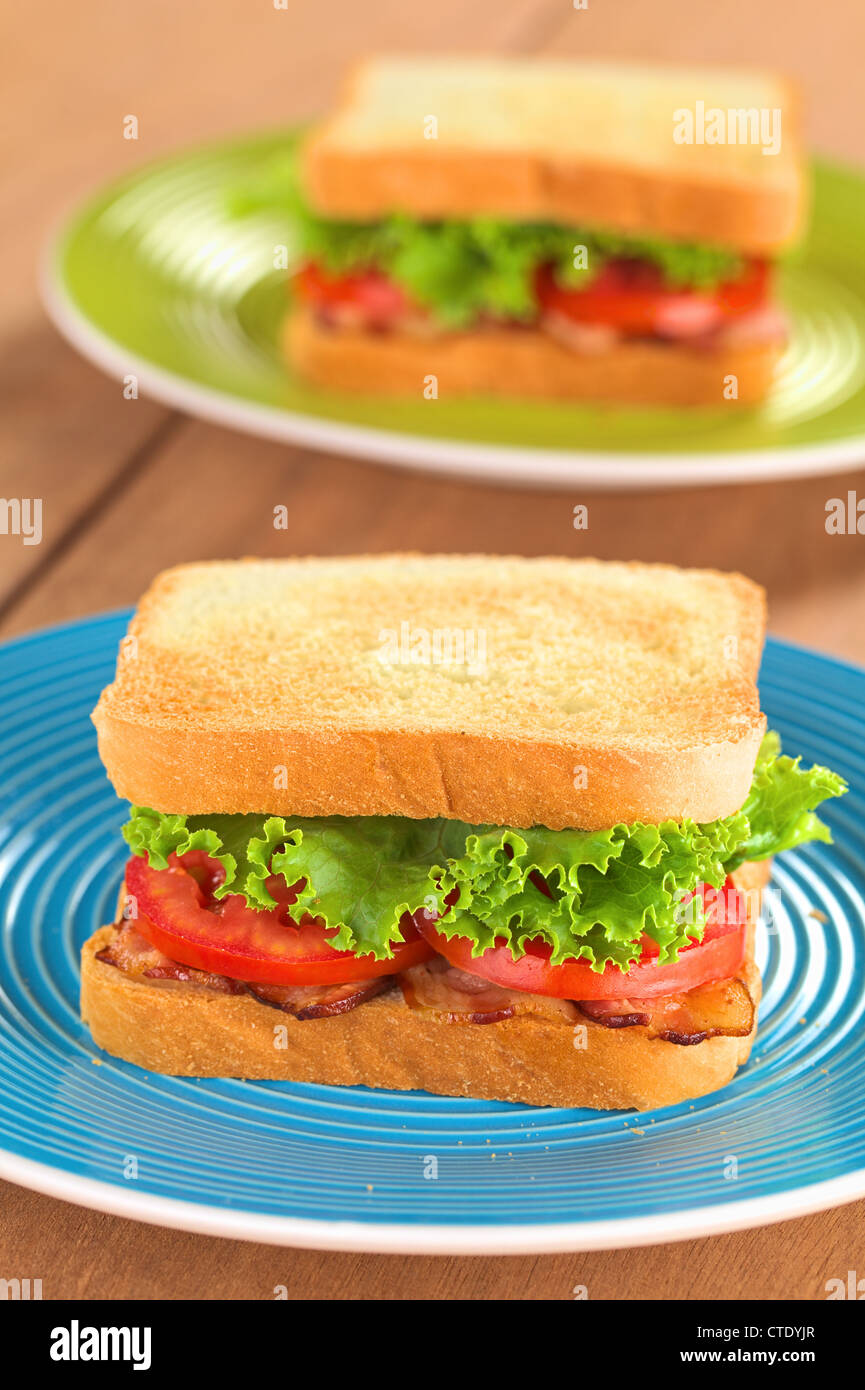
[587,231]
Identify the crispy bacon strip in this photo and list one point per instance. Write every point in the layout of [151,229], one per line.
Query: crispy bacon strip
[723,1009]
[765,325]
[455,996]
[132,953]
[320,1001]
[614,1013]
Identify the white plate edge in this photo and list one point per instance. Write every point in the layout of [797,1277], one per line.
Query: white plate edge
[423,1239]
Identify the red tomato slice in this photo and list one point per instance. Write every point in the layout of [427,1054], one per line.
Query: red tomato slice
[633,297]
[717,957]
[369,296]
[178,913]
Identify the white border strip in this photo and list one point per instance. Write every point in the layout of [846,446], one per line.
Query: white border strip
[517,467]
[422,1239]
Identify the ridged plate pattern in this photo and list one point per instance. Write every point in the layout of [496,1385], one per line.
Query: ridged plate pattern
[287,1161]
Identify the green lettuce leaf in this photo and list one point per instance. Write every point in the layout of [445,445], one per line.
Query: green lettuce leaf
[360,875]
[606,888]
[460,269]
[781,804]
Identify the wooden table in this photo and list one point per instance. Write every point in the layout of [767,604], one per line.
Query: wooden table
[130,487]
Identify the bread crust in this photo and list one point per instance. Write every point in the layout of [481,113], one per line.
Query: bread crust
[434,179]
[468,777]
[528,363]
[176,1029]
[183,1031]
[368,185]
[183,757]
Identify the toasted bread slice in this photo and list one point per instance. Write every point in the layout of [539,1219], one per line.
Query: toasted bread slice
[183,1030]
[530,364]
[505,690]
[586,144]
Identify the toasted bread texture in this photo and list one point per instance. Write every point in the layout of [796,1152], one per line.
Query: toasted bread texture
[486,689]
[588,144]
[183,1030]
[529,363]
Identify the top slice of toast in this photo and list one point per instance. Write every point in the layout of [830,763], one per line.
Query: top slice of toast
[488,689]
[587,144]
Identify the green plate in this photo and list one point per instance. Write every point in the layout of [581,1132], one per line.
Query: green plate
[154,278]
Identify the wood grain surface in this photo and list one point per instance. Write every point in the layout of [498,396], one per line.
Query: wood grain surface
[129,487]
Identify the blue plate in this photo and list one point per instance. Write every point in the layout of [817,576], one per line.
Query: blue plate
[351,1168]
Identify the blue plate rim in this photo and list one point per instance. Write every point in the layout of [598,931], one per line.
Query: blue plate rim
[395,1238]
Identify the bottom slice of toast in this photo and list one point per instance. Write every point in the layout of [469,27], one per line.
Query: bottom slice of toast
[183,1030]
[529,363]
